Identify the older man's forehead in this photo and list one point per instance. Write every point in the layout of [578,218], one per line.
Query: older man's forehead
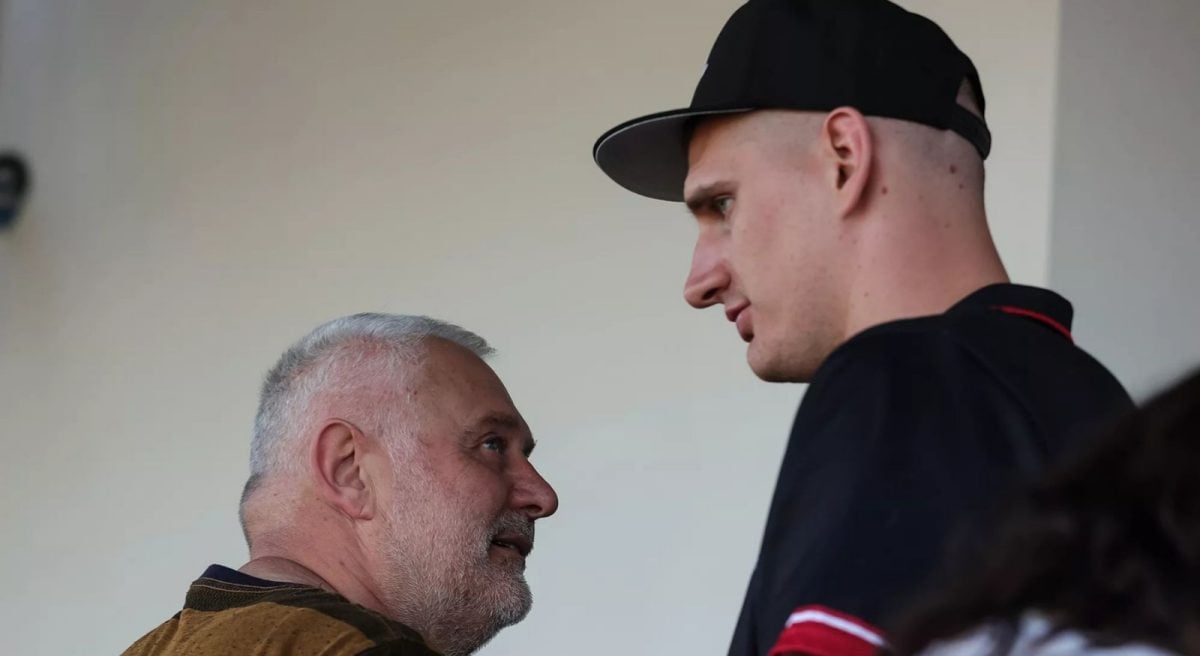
[502,419]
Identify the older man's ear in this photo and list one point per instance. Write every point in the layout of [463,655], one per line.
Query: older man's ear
[339,473]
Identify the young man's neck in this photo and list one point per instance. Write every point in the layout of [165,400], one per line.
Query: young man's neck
[919,268]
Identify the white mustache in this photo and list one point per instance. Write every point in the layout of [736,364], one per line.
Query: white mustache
[514,524]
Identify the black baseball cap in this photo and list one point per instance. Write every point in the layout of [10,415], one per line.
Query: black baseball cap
[811,55]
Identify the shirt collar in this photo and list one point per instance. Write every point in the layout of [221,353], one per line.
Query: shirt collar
[1019,299]
[1034,303]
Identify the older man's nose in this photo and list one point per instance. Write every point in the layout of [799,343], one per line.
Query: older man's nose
[533,495]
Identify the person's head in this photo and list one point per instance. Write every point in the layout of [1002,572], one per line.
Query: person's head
[1107,544]
[793,207]
[828,141]
[385,448]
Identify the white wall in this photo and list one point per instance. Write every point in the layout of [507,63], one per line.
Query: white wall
[1013,44]
[214,178]
[1126,232]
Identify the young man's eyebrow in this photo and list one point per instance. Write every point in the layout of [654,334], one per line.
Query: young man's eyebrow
[698,197]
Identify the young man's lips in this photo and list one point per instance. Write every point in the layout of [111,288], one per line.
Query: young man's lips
[741,318]
[743,326]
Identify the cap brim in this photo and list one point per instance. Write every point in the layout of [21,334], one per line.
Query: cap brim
[648,155]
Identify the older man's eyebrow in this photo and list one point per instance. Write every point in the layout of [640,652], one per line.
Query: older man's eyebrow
[503,421]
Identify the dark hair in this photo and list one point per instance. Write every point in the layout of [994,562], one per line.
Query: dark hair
[1108,544]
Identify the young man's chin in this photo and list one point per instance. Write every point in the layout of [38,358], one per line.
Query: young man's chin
[773,366]
[761,362]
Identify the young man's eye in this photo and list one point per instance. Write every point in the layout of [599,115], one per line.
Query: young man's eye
[723,205]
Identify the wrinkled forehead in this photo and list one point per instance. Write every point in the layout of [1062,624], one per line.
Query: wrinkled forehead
[458,386]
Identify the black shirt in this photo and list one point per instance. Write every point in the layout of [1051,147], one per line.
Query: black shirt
[909,430]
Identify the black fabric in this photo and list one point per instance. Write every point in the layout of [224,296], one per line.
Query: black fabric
[227,575]
[810,55]
[910,432]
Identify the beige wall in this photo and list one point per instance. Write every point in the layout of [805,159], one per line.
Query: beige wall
[1126,233]
[214,178]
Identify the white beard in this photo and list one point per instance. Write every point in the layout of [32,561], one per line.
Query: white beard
[439,578]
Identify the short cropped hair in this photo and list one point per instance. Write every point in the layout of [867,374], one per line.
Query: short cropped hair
[304,371]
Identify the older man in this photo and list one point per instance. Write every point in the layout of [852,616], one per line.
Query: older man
[390,507]
[833,159]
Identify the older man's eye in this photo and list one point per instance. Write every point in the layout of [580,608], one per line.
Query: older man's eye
[495,443]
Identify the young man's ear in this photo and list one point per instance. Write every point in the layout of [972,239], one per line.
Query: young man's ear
[337,462]
[848,144]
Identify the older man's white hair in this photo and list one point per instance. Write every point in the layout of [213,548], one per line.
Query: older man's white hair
[362,343]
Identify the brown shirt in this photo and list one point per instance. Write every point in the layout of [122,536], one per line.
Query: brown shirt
[230,613]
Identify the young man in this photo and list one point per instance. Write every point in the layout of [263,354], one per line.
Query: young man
[833,159]
[390,506]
